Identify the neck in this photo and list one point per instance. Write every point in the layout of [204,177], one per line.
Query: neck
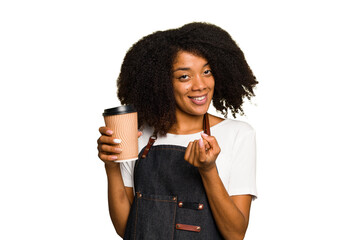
[187,124]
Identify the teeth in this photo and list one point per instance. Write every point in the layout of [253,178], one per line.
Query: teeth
[199,98]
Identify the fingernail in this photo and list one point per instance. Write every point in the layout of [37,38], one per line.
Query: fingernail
[117,140]
[118,150]
[201,143]
[109,132]
[113,157]
[204,134]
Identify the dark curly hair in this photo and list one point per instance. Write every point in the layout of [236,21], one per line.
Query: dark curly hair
[145,78]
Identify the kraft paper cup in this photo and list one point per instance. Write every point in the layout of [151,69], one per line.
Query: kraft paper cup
[123,121]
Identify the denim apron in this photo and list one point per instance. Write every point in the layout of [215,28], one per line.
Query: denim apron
[170,200]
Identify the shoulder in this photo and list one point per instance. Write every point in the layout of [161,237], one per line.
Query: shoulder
[238,146]
[234,127]
[146,131]
[233,134]
[146,134]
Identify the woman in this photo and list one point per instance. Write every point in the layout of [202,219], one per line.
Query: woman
[188,184]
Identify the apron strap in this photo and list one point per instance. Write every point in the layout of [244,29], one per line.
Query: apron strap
[148,146]
[206,128]
[206,125]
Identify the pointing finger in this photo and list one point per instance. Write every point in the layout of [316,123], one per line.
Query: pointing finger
[202,150]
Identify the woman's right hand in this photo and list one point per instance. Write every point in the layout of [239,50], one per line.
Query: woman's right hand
[109,146]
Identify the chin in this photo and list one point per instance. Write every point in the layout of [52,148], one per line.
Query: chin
[194,110]
[199,112]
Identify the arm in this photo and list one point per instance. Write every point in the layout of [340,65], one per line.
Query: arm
[119,197]
[231,214]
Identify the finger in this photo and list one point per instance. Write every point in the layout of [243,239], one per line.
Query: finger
[106,131]
[202,151]
[191,153]
[209,139]
[140,134]
[109,149]
[212,142]
[188,151]
[194,152]
[196,149]
[206,144]
[108,140]
[106,157]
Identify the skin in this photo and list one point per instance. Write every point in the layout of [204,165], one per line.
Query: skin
[192,78]
[120,197]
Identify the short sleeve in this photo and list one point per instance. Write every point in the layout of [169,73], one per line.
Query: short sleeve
[127,173]
[242,179]
[127,168]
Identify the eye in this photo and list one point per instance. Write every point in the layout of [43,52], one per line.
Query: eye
[184,77]
[207,72]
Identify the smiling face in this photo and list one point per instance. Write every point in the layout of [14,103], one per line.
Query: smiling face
[193,84]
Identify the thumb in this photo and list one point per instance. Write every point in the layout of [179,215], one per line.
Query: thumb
[212,142]
[208,138]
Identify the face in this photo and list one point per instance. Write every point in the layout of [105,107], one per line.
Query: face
[193,84]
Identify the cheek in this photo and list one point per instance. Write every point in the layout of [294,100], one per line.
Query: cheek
[181,88]
[211,85]
[178,92]
[212,82]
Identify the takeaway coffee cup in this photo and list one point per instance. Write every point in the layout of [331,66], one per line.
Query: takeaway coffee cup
[123,121]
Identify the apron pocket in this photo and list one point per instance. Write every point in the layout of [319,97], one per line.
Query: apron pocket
[155,216]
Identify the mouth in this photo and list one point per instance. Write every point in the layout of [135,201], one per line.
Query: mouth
[199,100]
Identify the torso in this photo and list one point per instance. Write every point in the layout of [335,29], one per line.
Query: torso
[170,200]
[235,163]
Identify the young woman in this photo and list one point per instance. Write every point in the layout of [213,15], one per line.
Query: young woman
[195,175]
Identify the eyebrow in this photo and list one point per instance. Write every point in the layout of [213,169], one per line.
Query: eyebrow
[185,69]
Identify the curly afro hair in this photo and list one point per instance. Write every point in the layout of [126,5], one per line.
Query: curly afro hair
[145,78]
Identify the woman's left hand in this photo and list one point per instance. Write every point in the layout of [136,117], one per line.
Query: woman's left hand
[203,153]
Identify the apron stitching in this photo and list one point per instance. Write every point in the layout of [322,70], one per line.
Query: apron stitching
[137,200]
[158,200]
[173,234]
[169,148]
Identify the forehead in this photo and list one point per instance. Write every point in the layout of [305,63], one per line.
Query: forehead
[188,58]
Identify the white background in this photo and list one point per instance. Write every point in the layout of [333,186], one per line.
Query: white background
[59,61]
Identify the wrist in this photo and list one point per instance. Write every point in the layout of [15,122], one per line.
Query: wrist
[113,171]
[111,166]
[210,170]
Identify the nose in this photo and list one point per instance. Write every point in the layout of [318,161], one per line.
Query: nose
[199,83]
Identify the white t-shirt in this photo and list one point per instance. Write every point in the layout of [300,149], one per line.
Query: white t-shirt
[236,162]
